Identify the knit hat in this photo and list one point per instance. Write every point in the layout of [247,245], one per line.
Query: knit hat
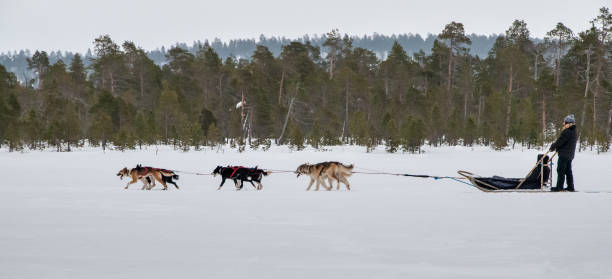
[569,119]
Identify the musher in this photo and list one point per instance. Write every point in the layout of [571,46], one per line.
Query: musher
[565,146]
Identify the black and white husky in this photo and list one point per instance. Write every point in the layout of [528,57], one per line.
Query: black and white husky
[240,173]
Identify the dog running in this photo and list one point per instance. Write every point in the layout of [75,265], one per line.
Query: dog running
[326,170]
[145,174]
[240,173]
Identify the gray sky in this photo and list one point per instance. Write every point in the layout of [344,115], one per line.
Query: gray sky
[73,24]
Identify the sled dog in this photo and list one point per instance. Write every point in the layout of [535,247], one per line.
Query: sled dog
[145,174]
[240,173]
[326,170]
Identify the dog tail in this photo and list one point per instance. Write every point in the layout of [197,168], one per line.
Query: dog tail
[349,167]
[168,173]
[347,170]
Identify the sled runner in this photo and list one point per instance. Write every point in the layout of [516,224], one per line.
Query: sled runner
[537,180]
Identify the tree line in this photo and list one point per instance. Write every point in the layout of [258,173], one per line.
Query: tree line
[16,61]
[324,95]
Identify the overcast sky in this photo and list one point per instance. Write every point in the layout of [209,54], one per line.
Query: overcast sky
[73,24]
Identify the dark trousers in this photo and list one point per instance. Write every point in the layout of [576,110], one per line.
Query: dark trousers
[564,169]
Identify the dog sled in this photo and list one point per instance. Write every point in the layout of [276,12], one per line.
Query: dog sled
[539,179]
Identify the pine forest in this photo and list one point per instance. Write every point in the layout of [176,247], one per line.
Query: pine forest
[320,94]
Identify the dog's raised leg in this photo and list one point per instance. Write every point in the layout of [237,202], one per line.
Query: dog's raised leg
[158,178]
[222,182]
[151,181]
[242,183]
[134,180]
[324,185]
[318,184]
[145,184]
[172,182]
[331,183]
[345,181]
[310,185]
[252,184]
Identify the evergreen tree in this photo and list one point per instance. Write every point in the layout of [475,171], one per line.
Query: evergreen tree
[559,38]
[392,141]
[77,70]
[39,64]
[10,112]
[109,68]
[168,110]
[214,137]
[333,42]
[296,138]
[140,129]
[33,128]
[454,34]
[105,119]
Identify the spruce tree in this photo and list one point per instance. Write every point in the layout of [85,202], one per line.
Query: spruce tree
[77,70]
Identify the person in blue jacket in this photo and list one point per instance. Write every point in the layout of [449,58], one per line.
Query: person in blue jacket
[565,146]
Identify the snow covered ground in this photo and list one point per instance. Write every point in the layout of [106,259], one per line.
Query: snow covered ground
[66,215]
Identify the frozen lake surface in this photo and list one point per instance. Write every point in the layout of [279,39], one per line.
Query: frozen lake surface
[66,215]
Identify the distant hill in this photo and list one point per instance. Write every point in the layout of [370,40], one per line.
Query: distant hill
[243,48]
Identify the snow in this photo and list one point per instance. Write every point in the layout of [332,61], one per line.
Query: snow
[66,215]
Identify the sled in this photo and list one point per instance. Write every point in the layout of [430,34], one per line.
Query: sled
[539,179]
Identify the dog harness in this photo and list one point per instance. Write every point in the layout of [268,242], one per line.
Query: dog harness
[235,170]
[148,169]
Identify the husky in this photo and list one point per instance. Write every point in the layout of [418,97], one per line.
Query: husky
[145,174]
[326,170]
[243,174]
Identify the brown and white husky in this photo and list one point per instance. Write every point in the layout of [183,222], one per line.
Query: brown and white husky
[326,170]
[144,174]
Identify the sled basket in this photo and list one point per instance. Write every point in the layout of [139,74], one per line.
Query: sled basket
[537,180]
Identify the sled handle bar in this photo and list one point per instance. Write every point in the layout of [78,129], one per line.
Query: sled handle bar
[465,174]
